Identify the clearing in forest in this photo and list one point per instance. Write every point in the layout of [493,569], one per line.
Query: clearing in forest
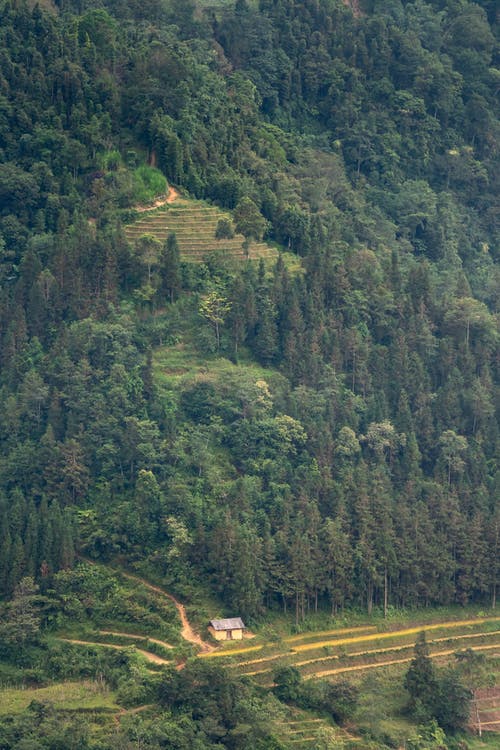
[194,223]
[85,695]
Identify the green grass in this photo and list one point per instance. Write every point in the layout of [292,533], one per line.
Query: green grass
[147,183]
[181,362]
[65,695]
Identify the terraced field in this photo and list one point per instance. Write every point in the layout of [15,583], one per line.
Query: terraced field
[354,652]
[194,223]
[486,710]
[300,730]
[337,652]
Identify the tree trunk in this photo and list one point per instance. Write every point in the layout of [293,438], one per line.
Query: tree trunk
[369,597]
[385,592]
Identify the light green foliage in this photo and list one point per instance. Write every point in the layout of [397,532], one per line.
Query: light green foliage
[214,307]
[148,184]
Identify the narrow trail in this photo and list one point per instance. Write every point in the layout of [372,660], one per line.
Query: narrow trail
[153,658]
[130,712]
[137,636]
[187,631]
[170,198]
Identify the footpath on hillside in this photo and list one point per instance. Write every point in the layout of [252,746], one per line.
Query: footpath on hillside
[187,631]
[170,198]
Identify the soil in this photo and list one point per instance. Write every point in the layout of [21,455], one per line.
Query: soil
[170,198]
[187,631]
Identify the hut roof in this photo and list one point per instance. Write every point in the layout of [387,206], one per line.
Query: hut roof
[231,623]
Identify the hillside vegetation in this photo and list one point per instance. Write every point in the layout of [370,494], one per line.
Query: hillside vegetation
[276,397]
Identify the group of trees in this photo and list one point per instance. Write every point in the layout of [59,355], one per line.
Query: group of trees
[436,695]
[348,456]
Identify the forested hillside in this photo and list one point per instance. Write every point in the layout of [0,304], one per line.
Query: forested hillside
[318,432]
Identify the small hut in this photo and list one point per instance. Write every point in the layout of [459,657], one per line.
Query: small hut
[230,629]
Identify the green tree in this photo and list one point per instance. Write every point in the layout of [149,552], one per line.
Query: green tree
[170,268]
[421,681]
[21,623]
[224,230]
[453,448]
[248,219]
[215,307]
[287,684]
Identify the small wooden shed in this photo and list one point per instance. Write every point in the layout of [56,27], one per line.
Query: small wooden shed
[230,629]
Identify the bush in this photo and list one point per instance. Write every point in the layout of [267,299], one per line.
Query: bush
[288,685]
[148,184]
[224,230]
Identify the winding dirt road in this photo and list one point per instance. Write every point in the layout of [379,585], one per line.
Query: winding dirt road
[187,631]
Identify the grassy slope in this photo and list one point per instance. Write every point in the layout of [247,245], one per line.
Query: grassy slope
[65,695]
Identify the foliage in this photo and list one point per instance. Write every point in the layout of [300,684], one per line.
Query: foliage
[439,696]
[351,458]
[148,184]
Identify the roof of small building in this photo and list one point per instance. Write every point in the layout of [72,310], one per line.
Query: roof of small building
[231,623]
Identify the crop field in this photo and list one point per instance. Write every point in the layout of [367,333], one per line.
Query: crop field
[371,655]
[195,224]
[486,710]
[61,696]
[337,652]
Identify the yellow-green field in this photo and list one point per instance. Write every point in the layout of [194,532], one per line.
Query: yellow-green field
[373,655]
[318,656]
[64,695]
[194,223]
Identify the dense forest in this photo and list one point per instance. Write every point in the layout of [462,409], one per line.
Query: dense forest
[339,449]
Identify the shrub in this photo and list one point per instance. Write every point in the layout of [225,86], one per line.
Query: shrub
[148,183]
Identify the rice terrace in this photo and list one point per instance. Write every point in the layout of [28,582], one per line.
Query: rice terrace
[374,654]
[195,224]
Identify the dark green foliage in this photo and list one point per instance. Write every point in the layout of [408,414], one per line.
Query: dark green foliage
[365,473]
[353,459]
[287,681]
[21,617]
[169,268]
[421,681]
[224,230]
[434,694]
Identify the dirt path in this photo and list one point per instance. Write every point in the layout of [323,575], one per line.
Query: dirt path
[130,712]
[170,198]
[187,631]
[153,658]
[137,637]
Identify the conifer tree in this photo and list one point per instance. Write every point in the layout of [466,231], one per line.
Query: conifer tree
[421,682]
